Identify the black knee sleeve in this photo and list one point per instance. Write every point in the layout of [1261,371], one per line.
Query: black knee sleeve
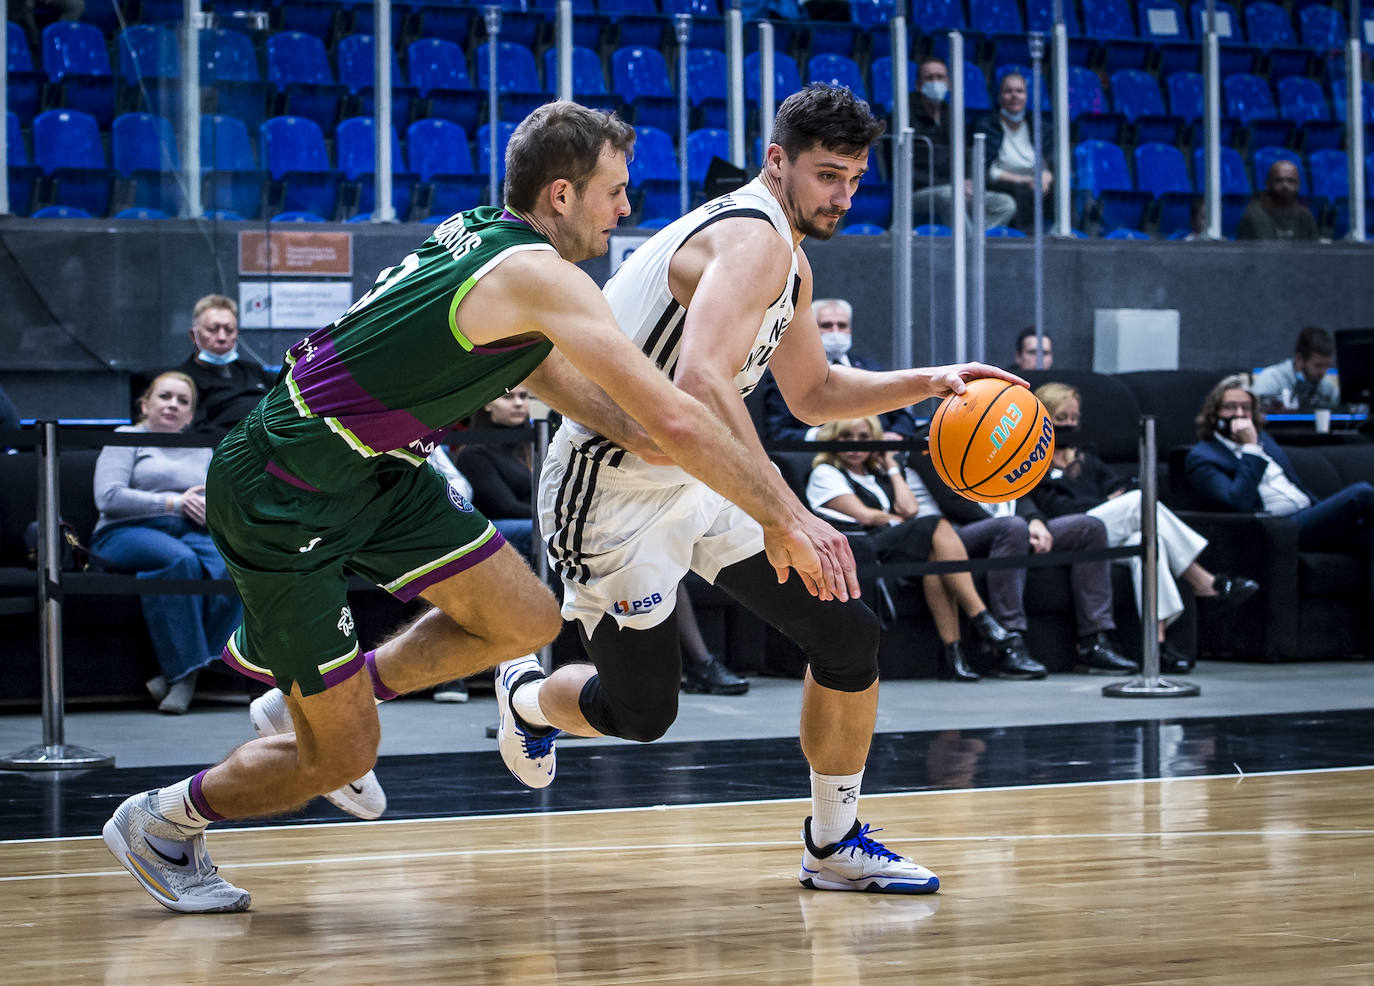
[639,673]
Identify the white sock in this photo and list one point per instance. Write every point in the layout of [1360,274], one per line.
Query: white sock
[174,804]
[834,806]
[525,701]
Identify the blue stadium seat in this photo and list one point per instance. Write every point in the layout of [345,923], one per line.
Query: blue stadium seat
[1165,23]
[447,19]
[1302,100]
[834,38]
[62,212]
[1235,180]
[1004,233]
[319,18]
[355,147]
[976,95]
[707,87]
[68,150]
[708,26]
[862,229]
[703,145]
[297,161]
[521,24]
[1263,159]
[24,81]
[298,70]
[78,67]
[1109,21]
[1093,119]
[231,180]
[931,229]
[995,17]
[654,173]
[1186,102]
[786,76]
[634,23]
[1321,28]
[482,162]
[23,176]
[1270,27]
[1236,54]
[1136,96]
[837,70]
[144,150]
[355,55]
[1249,99]
[439,73]
[588,77]
[871,203]
[1040,17]
[298,216]
[1161,169]
[150,68]
[518,88]
[1329,174]
[640,76]
[1101,172]
[140,212]
[880,84]
[938,15]
[361,18]
[1338,100]
[1125,234]
[229,70]
[439,154]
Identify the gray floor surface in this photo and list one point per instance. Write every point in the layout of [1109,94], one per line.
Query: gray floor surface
[142,737]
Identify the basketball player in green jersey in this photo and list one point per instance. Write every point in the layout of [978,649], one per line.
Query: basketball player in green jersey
[326,478]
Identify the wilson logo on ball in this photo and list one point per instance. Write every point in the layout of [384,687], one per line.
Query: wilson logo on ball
[993,442]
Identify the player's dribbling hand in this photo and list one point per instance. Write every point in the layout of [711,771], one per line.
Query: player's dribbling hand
[820,555]
[946,380]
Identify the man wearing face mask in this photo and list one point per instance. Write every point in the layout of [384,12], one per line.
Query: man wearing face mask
[228,385]
[1236,466]
[1011,150]
[834,317]
[930,172]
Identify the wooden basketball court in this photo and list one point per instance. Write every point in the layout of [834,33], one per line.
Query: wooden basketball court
[1246,880]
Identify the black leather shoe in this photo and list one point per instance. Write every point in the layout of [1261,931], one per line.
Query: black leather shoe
[1174,661]
[991,632]
[712,678]
[953,667]
[1096,655]
[1013,661]
[1232,589]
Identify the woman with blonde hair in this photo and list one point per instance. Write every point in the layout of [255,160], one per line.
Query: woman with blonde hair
[867,492]
[152,523]
[1080,482]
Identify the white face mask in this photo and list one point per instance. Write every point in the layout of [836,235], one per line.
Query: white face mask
[935,91]
[836,344]
[1016,117]
[219,359]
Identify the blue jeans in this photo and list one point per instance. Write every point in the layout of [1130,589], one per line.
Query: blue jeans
[1342,524]
[188,632]
[519,532]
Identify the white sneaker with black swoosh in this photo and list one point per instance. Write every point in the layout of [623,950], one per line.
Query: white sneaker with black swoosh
[175,868]
[364,798]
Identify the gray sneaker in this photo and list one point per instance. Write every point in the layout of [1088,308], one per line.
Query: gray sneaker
[176,870]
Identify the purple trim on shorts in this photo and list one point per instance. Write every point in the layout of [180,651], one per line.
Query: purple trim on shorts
[228,658]
[412,589]
[329,390]
[198,799]
[379,690]
[275,470]
[343,672]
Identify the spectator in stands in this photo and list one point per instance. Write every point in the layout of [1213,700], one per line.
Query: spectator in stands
[152,522]
[1302,383]
[25,14]
[931,178]
[1011,150]
[228,385]
[1276,213]
[1018,528]
[834,317]
[1237,466]
[1027,358]
[1080,482]
[866,492]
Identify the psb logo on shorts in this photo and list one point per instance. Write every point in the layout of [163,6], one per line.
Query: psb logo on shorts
[345,623]
[458,500]
[627,607]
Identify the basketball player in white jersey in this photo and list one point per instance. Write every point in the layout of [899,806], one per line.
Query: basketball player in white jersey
[710,299]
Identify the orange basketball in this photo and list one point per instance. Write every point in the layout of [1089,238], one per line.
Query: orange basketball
[993,442]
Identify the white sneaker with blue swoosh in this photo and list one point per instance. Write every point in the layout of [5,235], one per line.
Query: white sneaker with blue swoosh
[172,866]
[364,798]
[857,862]
[528,752]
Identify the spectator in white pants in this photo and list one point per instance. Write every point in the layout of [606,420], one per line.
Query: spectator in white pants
[1080,482]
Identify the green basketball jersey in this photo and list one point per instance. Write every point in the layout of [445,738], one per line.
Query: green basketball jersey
[392,374]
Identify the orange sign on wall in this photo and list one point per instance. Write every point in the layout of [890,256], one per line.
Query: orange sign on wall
[296,253]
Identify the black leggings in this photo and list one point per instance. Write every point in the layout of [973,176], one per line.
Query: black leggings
[639,672]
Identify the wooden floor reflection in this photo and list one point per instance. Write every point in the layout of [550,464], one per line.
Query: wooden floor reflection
[1255,880]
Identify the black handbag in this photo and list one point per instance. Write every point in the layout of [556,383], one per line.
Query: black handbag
[73,555]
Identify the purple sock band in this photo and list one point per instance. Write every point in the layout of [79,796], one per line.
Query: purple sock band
[378,689]
[198,800]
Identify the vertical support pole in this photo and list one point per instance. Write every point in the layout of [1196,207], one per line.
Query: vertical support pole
[383,208]
[492,14]
[902,232]
[958,210]
[980,247]
[682,31]
[539,453]
[734,55]
[192,20]
[767,87]
[1063,179]
[1354,126]
[4,110]
[563,28]
[1211,66]
[1037,50]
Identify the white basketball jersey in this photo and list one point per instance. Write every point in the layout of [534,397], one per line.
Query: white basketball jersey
[648,313]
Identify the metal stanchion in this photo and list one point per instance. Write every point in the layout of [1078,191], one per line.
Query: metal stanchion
[682,32]
[979,297]
[1149,684]
[492,15]
[53,753]
[539,453]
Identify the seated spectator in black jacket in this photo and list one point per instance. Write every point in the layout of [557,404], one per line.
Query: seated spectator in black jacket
[834,317]
[1276,213]
[1019,528]
[1237,466]
[228,385]
[1027,358]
